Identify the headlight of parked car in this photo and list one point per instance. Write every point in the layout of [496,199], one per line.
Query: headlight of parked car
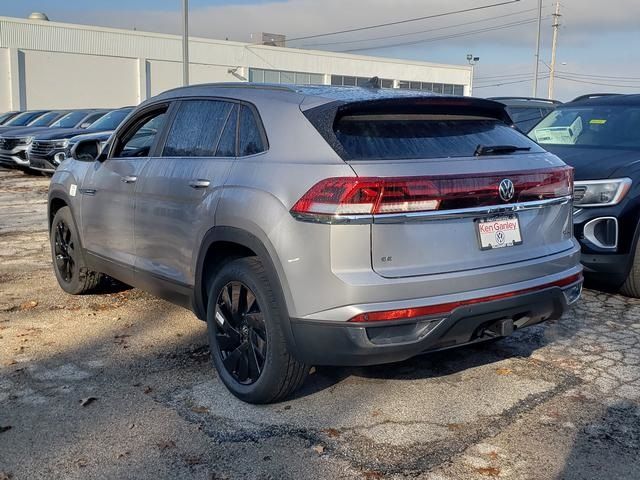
[600,193]
[25,141]
[61,143]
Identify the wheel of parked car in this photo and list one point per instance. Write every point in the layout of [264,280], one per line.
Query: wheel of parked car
[71,271]
[631,286]
[248,346]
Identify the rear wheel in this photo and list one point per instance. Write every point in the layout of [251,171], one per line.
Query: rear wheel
[248,347]
[631,286]
[68,261]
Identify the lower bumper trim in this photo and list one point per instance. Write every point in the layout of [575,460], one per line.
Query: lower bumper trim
[359,344]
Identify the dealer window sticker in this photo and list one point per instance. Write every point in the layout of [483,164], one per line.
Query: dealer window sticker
[73,189]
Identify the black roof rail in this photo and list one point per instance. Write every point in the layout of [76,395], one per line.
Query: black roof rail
[589,96]
[533,99]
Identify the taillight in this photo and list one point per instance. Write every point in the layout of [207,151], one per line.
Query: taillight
[447,308]
[389,195]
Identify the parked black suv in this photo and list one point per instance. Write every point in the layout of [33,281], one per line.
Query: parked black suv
[526,112]
[599,135]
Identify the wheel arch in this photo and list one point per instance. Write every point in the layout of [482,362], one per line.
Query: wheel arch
[223,244]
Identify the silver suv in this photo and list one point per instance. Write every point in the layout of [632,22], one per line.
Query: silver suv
[321,225]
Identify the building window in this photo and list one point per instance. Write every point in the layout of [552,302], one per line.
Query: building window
[347,81]
[446,88]
[259,75]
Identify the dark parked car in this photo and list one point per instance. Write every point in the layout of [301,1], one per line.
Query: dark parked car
[599,135]
[100,131]
[321,225]
[527,111]
[46,144]
[15,142]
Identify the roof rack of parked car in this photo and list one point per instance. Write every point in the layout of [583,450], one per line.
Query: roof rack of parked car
[593,95]
[531,99]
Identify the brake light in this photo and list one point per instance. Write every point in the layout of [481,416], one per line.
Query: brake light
[375,195]
[447,308]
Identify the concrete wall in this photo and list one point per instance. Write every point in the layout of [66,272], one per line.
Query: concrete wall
[57,65]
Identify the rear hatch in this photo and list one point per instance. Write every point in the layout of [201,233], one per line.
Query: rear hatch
[430,174]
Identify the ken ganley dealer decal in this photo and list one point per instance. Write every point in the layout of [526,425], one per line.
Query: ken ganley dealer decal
[73,189]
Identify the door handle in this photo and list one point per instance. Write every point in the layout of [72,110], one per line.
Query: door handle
[129,179]
[199,183]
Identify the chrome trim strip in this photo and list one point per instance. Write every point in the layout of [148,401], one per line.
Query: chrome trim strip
[589,232]
[391,218]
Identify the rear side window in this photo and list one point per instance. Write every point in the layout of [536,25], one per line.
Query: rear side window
[250,133]
[197,128]
[416,136]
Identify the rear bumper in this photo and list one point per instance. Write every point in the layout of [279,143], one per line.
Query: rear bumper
[356,344]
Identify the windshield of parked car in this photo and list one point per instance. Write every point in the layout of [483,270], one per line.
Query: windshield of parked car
[111,120]
[45,120]
[590,126]
[69,120]
[387,137]
[5,116]
[23,119]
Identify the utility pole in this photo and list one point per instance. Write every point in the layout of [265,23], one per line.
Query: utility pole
[185,42]
[537,65]
[554,47]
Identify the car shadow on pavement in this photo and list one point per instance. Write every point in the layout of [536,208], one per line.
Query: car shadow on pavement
[607,447]
[433,364]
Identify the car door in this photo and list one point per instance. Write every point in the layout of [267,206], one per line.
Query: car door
[179,190]
[107,203]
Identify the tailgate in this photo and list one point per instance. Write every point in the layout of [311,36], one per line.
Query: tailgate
[448,185]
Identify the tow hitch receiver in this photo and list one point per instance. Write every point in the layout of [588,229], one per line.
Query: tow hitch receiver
[502,328]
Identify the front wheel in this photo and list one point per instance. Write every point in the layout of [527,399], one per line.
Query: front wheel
[248,346]
[68,261]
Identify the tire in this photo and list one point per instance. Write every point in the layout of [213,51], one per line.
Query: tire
[246,338]
[631,286]
[68,260]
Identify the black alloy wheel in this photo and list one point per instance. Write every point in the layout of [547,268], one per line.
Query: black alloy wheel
[240,332]
[64,251]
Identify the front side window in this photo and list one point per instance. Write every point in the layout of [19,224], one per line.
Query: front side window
[45,120]
[250,134]
[138,139]
[197,128]
[590,126]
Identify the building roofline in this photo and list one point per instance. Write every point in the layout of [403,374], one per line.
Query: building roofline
[168,36]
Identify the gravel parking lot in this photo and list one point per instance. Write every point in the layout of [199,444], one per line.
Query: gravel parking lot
[119,385]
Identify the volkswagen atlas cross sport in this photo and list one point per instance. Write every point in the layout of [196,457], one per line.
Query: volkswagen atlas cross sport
[599,135]
[321,225]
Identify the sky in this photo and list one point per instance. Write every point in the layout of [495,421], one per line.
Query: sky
[598,46]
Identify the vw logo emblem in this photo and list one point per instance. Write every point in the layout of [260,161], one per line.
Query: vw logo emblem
[506,190]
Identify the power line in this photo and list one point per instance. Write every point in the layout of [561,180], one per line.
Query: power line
[597,83]
[446,37]
[385,37]
[399,22]
[510,83]
[605,77]
[500,77]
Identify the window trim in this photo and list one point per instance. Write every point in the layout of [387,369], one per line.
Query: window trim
[134,122]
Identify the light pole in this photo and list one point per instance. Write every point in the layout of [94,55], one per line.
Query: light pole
[472,61]
[185,42]
[537,65]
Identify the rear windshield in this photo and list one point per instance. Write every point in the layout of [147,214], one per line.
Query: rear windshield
[388,137]
[591,126]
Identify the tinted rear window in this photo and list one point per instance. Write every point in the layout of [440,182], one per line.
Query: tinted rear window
[389,137]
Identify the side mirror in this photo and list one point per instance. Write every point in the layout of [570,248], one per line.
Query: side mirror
[86,150]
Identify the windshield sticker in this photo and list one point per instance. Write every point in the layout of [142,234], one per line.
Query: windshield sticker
[560,135]
[597,121]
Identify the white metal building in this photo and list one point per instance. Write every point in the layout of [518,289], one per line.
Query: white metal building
[57,65]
